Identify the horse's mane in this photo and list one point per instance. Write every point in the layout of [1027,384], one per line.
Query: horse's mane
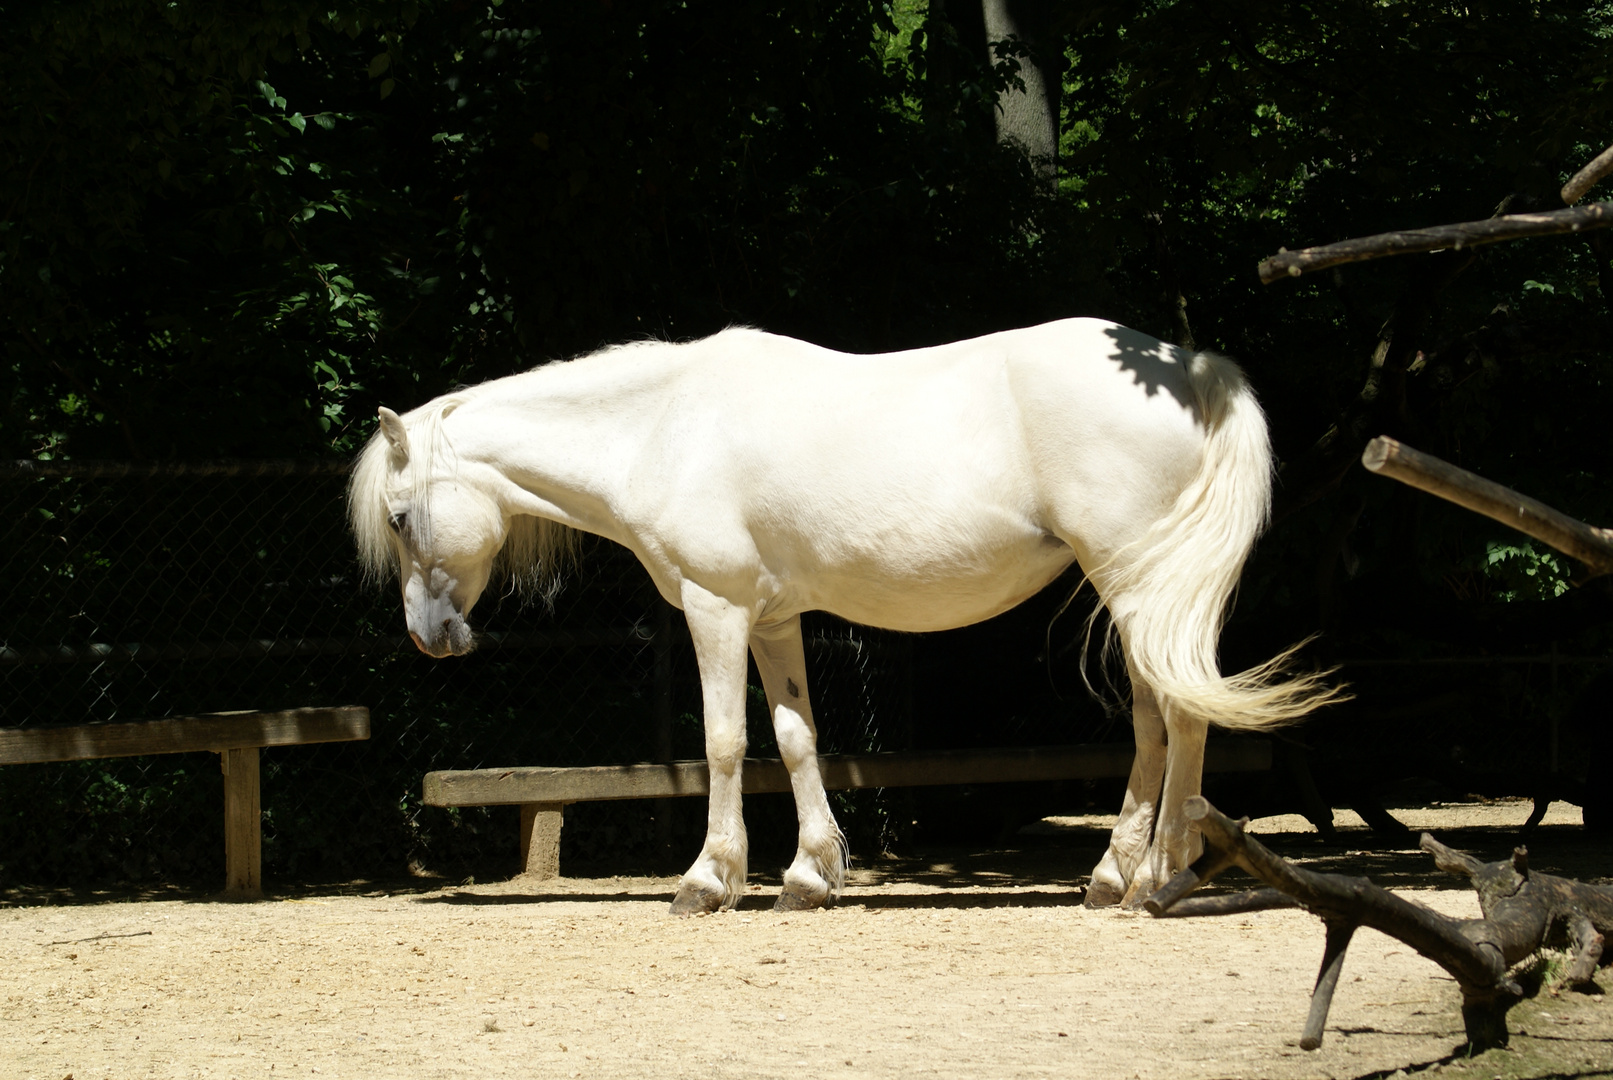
[535,549]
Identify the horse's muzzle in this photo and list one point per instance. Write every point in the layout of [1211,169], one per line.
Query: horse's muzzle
[455,640]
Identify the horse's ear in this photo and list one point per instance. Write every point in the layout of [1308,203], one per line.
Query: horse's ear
[396,434]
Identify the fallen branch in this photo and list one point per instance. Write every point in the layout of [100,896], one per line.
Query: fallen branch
[1590,545]
[97,937]
[1533,910]
[1468,234]
[1586,178]
[1522,913]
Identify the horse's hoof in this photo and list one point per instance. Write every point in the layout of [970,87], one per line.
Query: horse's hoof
[1139,890]
[695,900]
[1100,895]
[793,899]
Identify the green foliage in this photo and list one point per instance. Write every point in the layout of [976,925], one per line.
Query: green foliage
[1526,571]
[235,236]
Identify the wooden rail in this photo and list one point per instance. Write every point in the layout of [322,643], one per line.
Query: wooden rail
[235,736]
[543,792]
[217,732]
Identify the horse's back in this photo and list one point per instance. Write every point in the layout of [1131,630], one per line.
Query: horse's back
[1100,379]
[1079,419]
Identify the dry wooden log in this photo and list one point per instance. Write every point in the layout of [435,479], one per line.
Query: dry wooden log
[1467,234]
[1523,912]
[1590,545]
[1535,910]
[1232,904]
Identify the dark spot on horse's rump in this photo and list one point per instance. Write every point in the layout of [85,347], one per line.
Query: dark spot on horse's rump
[789,684]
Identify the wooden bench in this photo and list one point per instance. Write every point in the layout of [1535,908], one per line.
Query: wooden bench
[235,736]
[542,793]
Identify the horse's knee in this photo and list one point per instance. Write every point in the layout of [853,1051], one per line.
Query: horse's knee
[796,743]
[725,751]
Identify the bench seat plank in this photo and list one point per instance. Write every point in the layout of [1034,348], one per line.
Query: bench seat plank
[183,734]
[538,784]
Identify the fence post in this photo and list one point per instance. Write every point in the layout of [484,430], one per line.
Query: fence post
[243,824]
[540,839]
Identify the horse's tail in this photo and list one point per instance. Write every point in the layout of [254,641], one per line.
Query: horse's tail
[1169,595]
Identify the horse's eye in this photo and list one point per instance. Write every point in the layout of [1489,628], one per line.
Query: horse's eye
[397,521]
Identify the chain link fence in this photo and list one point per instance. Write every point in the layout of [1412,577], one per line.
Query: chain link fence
[136,592]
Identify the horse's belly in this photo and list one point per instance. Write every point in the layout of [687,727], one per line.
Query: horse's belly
[931,598]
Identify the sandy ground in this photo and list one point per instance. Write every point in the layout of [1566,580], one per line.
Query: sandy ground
[955,964]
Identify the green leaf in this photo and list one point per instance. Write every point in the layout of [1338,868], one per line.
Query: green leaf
[379,65]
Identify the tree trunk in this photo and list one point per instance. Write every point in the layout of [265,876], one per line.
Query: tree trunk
[1028,119]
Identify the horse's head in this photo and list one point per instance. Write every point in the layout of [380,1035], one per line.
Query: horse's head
[435,525]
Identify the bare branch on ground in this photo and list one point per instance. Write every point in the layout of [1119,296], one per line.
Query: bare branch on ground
[1523,912]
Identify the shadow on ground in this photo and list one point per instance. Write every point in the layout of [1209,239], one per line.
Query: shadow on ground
[1046,868]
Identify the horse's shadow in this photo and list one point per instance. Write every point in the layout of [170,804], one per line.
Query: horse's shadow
[1037,875]
[914,901]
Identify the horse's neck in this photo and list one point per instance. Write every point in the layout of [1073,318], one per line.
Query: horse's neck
[567,434]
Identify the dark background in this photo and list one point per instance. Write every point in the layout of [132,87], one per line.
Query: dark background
[232,230]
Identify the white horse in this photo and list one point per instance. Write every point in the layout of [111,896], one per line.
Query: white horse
[757,477]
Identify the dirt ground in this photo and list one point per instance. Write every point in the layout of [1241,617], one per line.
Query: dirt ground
[955,964]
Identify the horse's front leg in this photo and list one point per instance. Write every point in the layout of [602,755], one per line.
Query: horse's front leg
[1114,876]
[816,876]
[720,631]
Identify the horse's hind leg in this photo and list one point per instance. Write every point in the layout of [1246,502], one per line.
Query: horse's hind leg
[1176,843]
[815,877]
[1133,834]
[720,632]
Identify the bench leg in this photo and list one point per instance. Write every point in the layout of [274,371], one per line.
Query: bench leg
[540,839]
[243,825]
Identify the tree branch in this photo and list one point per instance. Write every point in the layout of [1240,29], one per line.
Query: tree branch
[1586,178]
[1587,543]
[1467,234]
